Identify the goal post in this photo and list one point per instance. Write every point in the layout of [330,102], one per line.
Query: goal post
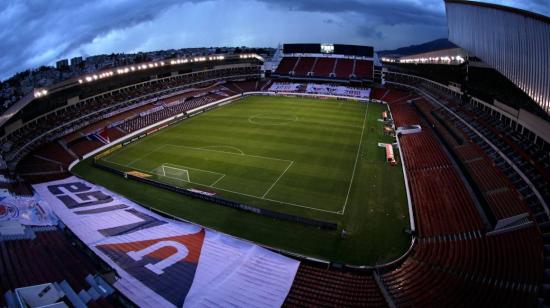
[174,173]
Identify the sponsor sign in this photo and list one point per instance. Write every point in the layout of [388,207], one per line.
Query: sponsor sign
[202,192]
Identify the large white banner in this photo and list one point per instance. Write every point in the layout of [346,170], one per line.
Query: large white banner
[163,262]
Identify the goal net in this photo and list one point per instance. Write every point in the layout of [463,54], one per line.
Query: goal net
[174,173]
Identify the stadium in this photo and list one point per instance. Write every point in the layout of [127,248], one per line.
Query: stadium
[317,175]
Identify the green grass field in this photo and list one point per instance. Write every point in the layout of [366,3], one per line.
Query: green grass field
[313,158]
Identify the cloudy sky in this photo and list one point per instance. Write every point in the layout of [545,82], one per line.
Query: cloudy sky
[38,32]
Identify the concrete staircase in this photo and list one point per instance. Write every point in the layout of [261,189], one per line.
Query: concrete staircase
[62,293]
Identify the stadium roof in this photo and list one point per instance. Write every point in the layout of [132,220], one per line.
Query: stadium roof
[525,13]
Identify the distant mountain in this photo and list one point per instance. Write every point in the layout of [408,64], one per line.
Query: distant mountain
[415,49]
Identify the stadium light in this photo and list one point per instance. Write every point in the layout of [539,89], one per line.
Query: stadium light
[40,92]
[144,66]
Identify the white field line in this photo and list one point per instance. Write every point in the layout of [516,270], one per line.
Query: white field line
[355,164]
[230,153]
[163,168]
[216,182]
[277,180]
[258,197]
[174,178]
[222,175]
[223,146]
[242,194]
[191,168]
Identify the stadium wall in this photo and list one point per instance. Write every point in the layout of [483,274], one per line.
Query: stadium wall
[514,42]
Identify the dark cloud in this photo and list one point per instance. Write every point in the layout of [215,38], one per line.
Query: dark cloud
[38,32]
[376,20]
[384,11]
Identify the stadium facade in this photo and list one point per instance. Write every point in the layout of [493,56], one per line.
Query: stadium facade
[513,41]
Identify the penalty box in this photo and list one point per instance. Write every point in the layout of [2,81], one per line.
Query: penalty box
[220,167]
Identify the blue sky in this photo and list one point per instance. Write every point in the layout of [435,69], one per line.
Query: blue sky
[38,32]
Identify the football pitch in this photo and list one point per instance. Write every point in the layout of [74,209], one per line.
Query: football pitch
[312,158]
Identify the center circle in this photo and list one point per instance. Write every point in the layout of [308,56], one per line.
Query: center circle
[272,119]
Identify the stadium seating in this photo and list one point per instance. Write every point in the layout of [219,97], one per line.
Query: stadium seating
[149,119]
[323,67]
[379,93]
[499,193]
[246,86]
[304,66]
[51,161]
[507,193]
[50,257]
[363,69]
[344,68]
[286,66]
[80,115]
[470,271]
[48,162]
[85,146]
[317,287]
[327,68]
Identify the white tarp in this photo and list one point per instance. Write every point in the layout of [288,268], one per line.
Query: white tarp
[163,262]
[284,87]
[338,90]
[30,211]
